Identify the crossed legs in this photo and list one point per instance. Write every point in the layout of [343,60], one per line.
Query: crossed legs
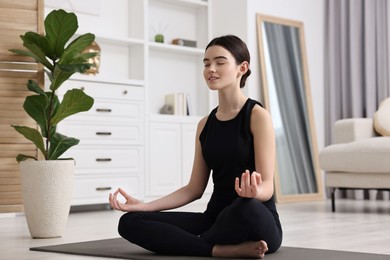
[246,228]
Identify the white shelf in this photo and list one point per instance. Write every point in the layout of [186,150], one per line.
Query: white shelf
[175,48]
[173,118]
[195,3]
[98,78]
[127,41]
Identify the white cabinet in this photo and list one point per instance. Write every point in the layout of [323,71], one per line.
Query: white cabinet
[171,153]
[135,75]
[165,173]
[111,149]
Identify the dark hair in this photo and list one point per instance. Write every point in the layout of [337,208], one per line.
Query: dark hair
[237,48]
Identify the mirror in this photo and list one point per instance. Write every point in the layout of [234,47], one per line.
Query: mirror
[286,94]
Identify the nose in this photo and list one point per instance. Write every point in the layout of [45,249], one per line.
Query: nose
[211,69]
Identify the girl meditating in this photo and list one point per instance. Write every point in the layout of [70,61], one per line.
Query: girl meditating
[235,143]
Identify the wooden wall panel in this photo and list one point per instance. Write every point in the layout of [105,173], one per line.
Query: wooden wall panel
[16,18]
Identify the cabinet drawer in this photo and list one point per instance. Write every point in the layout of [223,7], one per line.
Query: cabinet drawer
[107,159]
[104,90]
[95,190]
[104,134]
[111,111]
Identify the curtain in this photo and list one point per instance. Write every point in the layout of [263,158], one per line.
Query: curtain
[357,61]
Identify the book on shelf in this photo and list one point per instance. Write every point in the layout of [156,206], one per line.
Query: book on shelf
[180,103]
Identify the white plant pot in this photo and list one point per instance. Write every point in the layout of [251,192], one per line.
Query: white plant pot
[47,192]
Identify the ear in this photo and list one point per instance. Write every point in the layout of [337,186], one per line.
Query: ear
[244,67]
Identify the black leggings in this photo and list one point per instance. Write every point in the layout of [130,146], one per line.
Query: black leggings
[195,234]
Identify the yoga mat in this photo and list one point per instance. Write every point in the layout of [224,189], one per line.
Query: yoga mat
[121,249]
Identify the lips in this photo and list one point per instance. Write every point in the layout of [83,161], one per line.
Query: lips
[212,78]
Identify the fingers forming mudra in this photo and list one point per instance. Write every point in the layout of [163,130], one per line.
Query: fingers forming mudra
[249,185]
[115,204]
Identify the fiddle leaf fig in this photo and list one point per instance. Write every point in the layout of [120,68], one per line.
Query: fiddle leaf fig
[74,101]
[60,144]
[34,87]
[33,135]
[60,60]
[60,26]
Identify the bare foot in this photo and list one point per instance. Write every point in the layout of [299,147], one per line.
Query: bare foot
[250,249]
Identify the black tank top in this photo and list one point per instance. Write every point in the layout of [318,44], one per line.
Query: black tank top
[227,148]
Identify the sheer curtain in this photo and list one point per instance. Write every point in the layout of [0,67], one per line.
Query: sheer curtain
[357,59]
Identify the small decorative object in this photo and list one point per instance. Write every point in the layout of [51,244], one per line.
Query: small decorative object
[95,61]
[183,42]
[47,183]
[167,110]
[159,38]
[159,35]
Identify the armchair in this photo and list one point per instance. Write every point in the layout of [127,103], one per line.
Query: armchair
[359,158]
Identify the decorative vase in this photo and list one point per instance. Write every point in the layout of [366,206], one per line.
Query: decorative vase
[47,192]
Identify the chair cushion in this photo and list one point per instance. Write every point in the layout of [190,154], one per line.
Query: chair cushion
[366,155]
[382,118]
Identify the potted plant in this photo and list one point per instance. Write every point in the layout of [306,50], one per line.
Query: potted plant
[47,180]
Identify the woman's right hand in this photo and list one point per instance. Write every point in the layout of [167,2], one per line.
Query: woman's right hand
[131,203]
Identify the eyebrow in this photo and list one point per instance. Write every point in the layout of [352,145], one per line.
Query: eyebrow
[215,58]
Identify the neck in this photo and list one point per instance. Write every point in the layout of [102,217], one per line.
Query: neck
[230,102]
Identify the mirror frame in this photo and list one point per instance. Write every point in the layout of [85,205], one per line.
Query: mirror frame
[265,92]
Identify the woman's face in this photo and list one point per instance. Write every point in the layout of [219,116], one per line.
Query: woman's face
[220,68]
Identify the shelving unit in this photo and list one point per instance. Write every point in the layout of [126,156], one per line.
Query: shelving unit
[174,69]
[130,58]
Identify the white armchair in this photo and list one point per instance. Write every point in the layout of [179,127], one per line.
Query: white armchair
[359,157]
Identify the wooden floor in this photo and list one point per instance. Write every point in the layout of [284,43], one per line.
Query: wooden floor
[360,226]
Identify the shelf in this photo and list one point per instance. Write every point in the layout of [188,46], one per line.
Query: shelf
[195,3]
[174,119]
[98,78]
[126,41]
[175,48]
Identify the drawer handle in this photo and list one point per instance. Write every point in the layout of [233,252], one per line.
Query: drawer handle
[103,188]
[105,110]
[103,159]
[103,133]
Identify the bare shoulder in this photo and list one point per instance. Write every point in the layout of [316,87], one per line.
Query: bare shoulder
[201,124]
[260,115]
[261,122]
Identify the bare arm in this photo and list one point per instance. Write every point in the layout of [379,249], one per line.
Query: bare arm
[190,192]
[260,184]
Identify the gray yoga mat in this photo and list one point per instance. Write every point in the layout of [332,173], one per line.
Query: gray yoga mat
[120,248]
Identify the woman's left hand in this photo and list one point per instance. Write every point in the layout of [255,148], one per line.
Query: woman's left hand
[250,185]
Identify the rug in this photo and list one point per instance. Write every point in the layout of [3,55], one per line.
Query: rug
[121,249]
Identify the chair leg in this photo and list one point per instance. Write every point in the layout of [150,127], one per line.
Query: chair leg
[332,195]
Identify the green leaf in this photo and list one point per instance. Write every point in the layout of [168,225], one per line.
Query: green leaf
[74,101]
[73,68]
[34,39]
[33,135]
[23,157]
[37,107]
[59,144]
[34,87]
[59,77]
[37,57]
[60,26]
[76,47]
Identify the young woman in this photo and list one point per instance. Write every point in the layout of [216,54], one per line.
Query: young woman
[236,142]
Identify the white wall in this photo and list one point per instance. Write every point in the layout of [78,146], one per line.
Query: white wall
[239,17]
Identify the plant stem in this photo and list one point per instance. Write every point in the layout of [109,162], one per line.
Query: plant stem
[49,125]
